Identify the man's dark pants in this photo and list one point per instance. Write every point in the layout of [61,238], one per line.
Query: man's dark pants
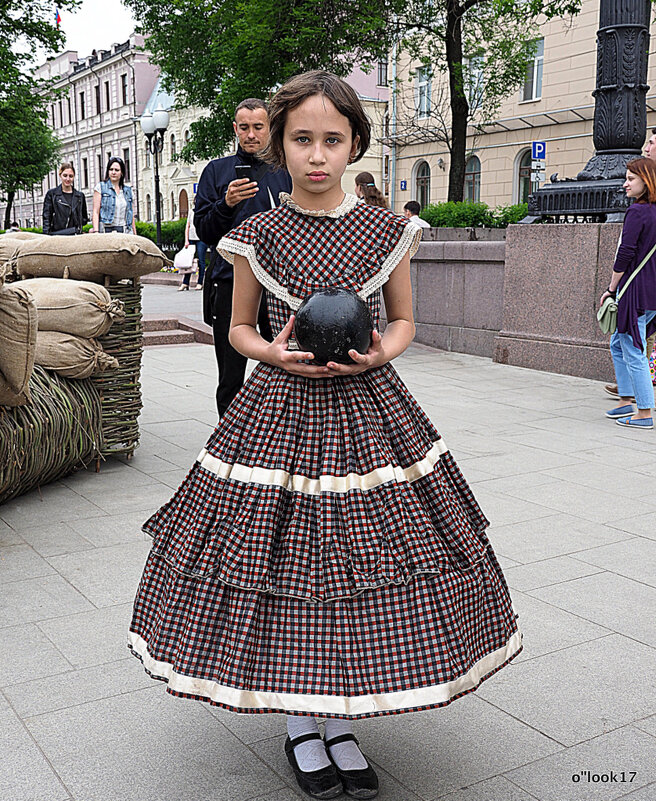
[231,364]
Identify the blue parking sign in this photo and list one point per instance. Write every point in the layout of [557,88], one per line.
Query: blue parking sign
[404,185]
[195,188]
[538,150]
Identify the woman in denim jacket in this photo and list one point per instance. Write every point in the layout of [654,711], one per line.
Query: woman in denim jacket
[112,201]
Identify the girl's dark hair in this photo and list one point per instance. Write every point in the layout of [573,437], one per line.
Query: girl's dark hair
[298,89]
[66,165]
[372,195]
[645,169]
[121,164]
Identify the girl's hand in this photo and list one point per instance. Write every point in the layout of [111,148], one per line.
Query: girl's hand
[606,294]
[278,353]
[374,357]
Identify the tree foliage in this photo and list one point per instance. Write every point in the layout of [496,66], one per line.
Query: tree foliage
[28,148]
[25,28]
[215,53]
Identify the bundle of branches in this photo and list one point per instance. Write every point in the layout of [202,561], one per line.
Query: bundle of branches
[120,389]
[59,431]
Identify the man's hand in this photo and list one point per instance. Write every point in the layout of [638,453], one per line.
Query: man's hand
[240,189]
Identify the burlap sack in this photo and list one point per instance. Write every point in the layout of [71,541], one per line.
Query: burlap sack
[9,398]
[18,328]
[73,307]
[2,275]
[71,356]
[89,257]
[9,243]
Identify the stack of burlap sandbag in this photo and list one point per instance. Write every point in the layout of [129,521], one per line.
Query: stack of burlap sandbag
[18,329]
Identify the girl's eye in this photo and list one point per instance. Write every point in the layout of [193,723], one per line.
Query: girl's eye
[302,139]
[332,140]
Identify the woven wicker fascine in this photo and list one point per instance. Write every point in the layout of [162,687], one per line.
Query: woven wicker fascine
[120,389]
[59,431]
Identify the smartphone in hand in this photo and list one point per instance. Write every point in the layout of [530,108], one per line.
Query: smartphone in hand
[244,171]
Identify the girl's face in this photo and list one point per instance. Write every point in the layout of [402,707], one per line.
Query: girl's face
[318,144]
[67,178]
[115,173]
[634,186]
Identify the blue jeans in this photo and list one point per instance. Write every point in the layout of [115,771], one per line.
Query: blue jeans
[632,365]
[201,251]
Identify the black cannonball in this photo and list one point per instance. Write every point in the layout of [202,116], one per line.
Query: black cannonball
[330,322]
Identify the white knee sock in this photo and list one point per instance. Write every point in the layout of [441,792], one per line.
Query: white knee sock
[347,755]
[311,755]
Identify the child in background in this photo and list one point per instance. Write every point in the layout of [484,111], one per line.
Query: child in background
[324,557]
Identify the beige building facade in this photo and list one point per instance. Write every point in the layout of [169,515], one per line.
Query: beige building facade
[96,117]
[555,106]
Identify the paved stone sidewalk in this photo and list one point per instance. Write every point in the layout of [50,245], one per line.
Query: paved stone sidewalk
[573,509]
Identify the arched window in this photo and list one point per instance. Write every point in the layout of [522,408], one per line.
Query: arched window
[186,137]
[149,208]
[173,147]
[183,202]
[524,187]
[473,179]
[147,159]
[174,209]
[422,184]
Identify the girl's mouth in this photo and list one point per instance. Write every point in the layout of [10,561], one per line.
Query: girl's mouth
[317,176]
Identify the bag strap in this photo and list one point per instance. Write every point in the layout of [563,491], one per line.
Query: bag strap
[635,272]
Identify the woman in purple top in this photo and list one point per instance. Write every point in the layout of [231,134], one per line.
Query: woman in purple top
[636,311]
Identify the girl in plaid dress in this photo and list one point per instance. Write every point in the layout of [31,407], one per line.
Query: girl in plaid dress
[324,556]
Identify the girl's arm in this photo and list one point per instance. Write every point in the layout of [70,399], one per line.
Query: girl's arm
[400,329]
[244,337]
[186,244]
[95,214]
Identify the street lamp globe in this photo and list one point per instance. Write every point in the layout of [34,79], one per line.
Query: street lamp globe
[147,123]
[161,119]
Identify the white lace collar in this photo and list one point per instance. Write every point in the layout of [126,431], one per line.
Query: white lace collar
[349,203]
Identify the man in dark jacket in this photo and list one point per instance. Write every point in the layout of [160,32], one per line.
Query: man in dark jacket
[223,201]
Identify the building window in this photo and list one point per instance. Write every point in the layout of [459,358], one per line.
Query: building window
[108,103]
[173,147]
[68,104]
[186,137]
[474,81]
[524,177]
[382,73]
[147,159]
[124,89]
[83,107]
[61,114]
[149,208]
[97,88]
[422,184]
[126,159]
[100,167]
[174,207]
[533,83]
[85,173]
[423,92]
[473,179]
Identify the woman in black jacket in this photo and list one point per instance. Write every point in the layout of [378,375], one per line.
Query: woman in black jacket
[64,208]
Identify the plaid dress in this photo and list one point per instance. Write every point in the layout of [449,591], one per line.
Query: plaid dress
[324,555]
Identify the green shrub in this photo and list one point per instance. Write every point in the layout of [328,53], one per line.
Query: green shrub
[146,229]
[452,214]
[465,214]
[508,215]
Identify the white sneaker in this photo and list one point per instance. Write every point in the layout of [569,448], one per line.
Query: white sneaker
[183,287]
[198,286]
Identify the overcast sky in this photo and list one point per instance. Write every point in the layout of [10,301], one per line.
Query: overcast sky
[96,24]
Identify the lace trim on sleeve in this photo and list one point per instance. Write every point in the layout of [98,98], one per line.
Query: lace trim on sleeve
[409,241]
[229,247]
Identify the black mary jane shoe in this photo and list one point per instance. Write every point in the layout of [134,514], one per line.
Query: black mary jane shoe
[322,783]
[356,783]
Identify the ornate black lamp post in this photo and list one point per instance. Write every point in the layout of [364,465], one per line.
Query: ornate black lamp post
[620,121]
[154,125]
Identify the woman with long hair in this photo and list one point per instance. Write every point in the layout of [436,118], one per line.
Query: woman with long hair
[65,207]
[636,309]
[112,201]
[365,189]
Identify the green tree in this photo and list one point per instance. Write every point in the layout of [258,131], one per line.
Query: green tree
[214,53]
[26,28]
[28,148]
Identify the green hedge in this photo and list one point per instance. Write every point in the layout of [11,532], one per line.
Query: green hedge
[466,214]
[173,233]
